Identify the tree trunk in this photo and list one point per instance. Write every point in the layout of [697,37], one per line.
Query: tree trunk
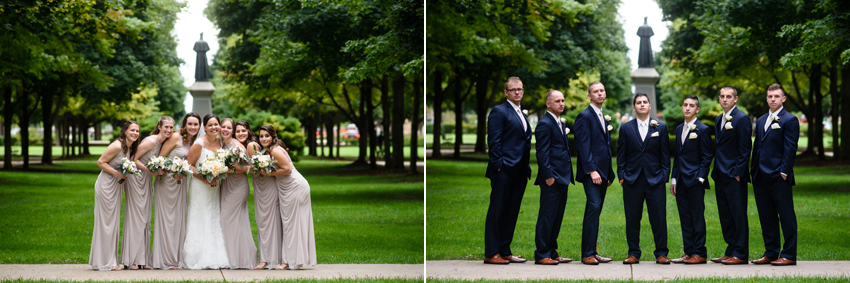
[369,121]
[98,132]
[329,126]
[836,100]
[437,130]
[85,131]
[481,106]
[458,121]
[414,125]
[47,121]
[24,124]
[386,107]
[815,81]
[73,137]
[310,131]
[7,128]
[845,111]
[338,136]
[399,82]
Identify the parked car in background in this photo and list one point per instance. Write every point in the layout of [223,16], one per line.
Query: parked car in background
[351,132]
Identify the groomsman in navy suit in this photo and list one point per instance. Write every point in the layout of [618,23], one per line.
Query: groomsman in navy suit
[594,171]
[555,173]
[774,151]
[643,166]
[690,180]
[732,133]
[509,142]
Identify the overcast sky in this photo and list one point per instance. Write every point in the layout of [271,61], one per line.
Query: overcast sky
[191,22]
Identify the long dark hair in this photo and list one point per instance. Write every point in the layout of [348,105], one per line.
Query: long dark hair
[275,139]
[210,116]
[184,132]
[159,124]
[123,138]
[251,136]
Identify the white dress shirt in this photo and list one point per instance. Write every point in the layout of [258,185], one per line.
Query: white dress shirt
[518,111]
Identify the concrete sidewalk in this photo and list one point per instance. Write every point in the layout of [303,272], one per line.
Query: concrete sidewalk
[83,272]
[472,270]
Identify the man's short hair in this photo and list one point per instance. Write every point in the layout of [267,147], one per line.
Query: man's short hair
[591,85]
[734,92]
[512,80]
[634,100]
[694,97]
[775,87]
[550,92]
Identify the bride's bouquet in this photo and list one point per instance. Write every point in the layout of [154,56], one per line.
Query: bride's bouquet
[213,167]
[177,165]
[263,162]
[157,163]
[128,167]
[235,155]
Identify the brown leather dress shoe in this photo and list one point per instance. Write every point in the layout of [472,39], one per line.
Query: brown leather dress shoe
[720,259]
[763,260]
[591,260]
[495,259]
[695,259]
[631,260]
[734,260]
[602,259]
[515,259]
[783,261]
[562,259]
[547,261]
[680,260]
[662,260]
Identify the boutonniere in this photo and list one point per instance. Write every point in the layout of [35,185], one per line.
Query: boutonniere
[728,125]
[525,111]
[774,126]
[610,128]
[692,136]
[655,134]
[563,120]
[653,123]
[728,117]
[566,131]
[775,118]
[692,128]
[607,118]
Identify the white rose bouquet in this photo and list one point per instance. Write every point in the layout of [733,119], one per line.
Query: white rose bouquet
[213,168]
[236,155]
[157,163]
[128,167]
[177,165]
[263,162]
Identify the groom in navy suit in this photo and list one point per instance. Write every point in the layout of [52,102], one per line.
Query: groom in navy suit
[643,166]
[690,180]
[594,171]
[509,142]
[774,150]
[555,173]
[732,133]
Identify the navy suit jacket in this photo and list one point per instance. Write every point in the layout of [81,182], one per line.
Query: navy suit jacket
[650,156]
[774,151]
[693,159]
[733,148]
[509,143]
[593,146]
[553,152]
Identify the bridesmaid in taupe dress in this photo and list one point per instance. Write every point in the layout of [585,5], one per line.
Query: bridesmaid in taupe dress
[135,249]
[170,199]
[107,199]
[235,220]
[299,244]
[267,215]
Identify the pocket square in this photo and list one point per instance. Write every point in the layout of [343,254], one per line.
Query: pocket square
[655,134]
[692,136]
[774,126]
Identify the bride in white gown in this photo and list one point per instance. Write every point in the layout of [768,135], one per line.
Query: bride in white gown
[204,245]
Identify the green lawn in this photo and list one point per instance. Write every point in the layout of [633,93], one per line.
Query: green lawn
[458,196]
[358,217]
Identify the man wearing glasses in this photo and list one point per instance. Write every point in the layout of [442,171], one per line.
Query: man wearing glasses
[509,142]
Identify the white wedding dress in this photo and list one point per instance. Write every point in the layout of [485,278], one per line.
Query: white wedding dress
[204,245]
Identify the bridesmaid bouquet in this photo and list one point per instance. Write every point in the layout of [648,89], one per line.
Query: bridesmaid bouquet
[212,168]
[128,167]
[263,162]
[236,155]
[177,165]
[157,163]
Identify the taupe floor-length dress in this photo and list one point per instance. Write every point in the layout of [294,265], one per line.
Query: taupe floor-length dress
[299,243]
[267,215]
[169,229]
[135,248]
[235,220]
[107,218]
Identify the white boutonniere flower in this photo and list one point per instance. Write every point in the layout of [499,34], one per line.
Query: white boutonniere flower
[692,127]
[728,125]
[566,131]
[563,120]
[655,134]
[774,126]
[728,117]
[610,128]
[692,136]
[653,123]
[525,111]
[607,118]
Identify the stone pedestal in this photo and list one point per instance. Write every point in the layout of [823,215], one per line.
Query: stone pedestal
[202,99]
[644,80]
